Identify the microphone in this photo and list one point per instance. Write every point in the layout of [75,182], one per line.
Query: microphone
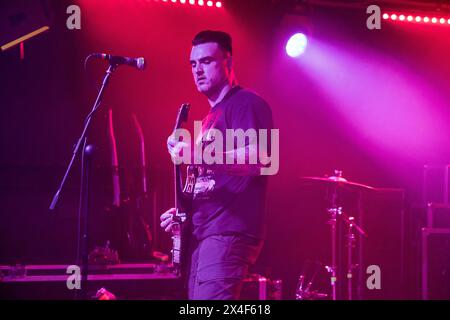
[138,63]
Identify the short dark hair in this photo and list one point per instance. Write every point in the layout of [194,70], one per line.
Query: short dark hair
[223,39]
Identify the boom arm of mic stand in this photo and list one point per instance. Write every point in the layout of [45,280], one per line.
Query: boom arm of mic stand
[111,69]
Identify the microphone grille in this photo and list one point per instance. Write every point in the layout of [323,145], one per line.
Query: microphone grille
[140,63]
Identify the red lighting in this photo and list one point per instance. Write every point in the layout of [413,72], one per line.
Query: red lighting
[209,3]
[410,18]
[426,19]
[442,20]
[218,4]
[394,16]
[385,16]
[200,2]
[434,20]
[401,17]
[418,19]
[192,2]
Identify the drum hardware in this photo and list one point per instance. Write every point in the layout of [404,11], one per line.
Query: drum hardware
[336,215]
[306,293]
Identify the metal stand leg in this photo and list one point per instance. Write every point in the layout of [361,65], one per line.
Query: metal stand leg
[350,246]
[334,212]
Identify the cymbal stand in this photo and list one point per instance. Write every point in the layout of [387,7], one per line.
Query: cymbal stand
[351,239]
[333,212]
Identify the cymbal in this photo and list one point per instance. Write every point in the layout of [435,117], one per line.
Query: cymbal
[335,181]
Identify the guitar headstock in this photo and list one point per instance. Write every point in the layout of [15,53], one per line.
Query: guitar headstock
[182,115]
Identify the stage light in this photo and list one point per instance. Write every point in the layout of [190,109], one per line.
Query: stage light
[442,20]
[448,21]
[410,18]
[394,16]
[296,45]
[418,19]
[401,17]
[434,20]
[385,16]
[426,19]
[194,3]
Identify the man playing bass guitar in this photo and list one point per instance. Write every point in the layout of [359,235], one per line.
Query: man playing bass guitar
[227,211]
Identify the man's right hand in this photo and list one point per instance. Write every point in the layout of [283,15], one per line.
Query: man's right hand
[166,219]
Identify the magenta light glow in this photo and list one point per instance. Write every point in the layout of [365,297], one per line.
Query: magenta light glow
[383,106]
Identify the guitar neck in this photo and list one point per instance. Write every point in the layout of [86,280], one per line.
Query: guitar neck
[181,117]
[178,187]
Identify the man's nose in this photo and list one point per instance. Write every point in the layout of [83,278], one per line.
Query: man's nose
[199,70]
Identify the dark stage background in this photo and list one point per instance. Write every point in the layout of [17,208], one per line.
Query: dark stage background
[373,103]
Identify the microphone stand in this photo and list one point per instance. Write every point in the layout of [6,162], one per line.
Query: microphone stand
[86,158]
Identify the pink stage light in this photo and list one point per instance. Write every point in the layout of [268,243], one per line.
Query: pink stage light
[394,16]
[418,19]
[410,18]
[434,20]
[209,3]
[401,17]
[218,4]
[385,16]
[201,2]
[426,19]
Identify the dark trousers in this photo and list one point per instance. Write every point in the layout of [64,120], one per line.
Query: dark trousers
[219,263]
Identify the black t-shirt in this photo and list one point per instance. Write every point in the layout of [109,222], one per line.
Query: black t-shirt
[224,203]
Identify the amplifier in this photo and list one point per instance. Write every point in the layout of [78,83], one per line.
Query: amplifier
[438,215]
[436,184]
[436,263]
